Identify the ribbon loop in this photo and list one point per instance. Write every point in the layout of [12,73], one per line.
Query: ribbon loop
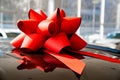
[70,25]
[28,26]
[48,28]
[34,15]
[57,43]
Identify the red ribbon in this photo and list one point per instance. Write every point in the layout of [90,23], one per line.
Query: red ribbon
[55,37]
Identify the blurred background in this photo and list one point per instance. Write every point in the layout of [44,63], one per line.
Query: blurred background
[100,27]
[100,18]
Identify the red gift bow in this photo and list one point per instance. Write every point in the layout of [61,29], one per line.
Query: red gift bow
[46,31]
[53,34]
